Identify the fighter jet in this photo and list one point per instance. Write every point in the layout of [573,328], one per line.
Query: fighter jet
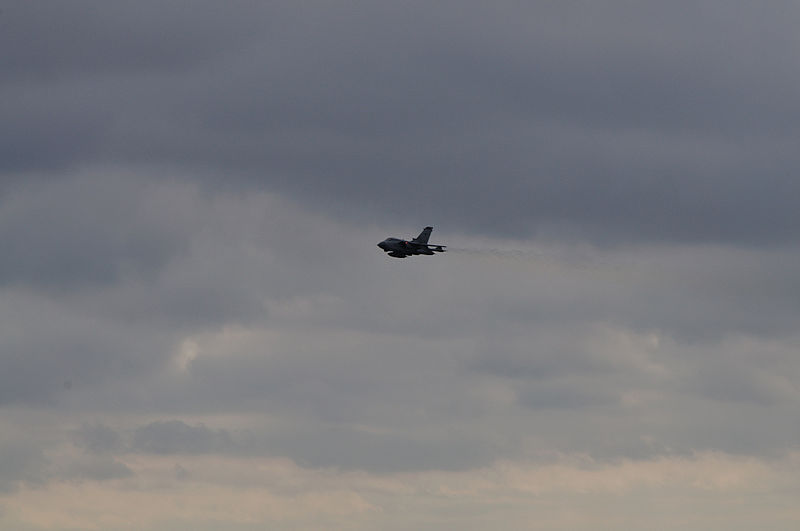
[398,248]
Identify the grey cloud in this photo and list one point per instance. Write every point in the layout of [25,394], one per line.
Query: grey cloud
[52,40]
[582,341]
[325,445]
[98,438]
[350,344]
[102,443]
[68,70]
[50,349]
[557,395]
[104,274]
[41,134]
[95,468]
[174,436]
[320,445]
[81,231]
[192,234]
[352,448]
[358,355]
[613,123]
[21,461]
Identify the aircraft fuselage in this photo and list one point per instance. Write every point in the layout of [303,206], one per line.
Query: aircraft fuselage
[398,248]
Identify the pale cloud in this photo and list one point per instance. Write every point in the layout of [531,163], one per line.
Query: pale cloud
[570,492]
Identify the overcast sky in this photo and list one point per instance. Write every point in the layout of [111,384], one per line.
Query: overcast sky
[197,330]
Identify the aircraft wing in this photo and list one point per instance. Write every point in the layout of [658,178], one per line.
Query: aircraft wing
[424,244]
[432,246]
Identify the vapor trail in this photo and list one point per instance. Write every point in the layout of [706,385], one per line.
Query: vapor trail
[541,256]
[520,254]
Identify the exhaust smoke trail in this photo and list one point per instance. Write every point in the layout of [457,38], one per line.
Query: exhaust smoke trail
[574,260]
[512,254]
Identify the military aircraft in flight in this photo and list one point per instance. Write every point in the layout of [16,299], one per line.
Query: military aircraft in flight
[398,248]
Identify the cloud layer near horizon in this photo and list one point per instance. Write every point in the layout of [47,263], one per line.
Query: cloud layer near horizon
[192,306]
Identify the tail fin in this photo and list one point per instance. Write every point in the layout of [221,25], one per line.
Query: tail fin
[424,235]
